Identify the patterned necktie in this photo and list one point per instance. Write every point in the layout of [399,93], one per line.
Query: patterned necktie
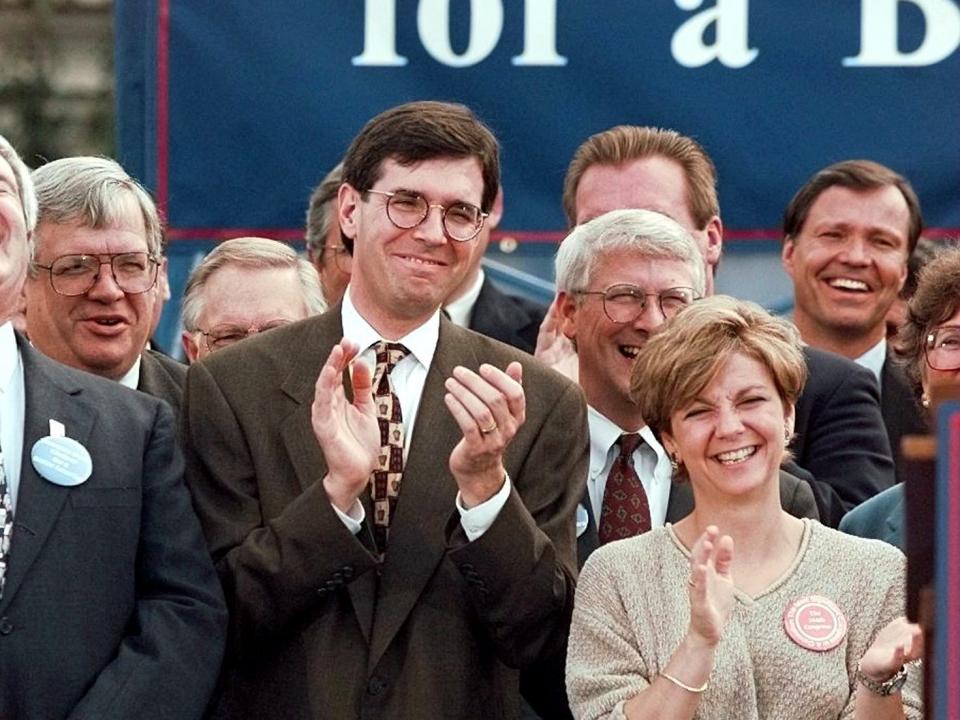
[625,511]
[385,483]
[6,523]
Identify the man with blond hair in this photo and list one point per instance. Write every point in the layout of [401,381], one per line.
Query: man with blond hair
[840,445]
[242,287]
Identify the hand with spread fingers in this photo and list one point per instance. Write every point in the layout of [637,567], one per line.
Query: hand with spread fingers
[348,432]
[711,585]
[489,406]
[898,643]
[553,347]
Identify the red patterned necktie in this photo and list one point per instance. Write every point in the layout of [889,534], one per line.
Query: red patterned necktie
[6,523]
[385,483]
[625,511]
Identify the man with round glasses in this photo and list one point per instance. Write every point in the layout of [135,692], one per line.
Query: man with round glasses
[92,287]
[395,536]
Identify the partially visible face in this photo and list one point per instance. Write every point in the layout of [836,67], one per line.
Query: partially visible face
[402,276]
[14,250]
[335,264]
[650,183]
[607,350]
[732,437]
[236,299]
[947,355]
[103,331]
[849,261]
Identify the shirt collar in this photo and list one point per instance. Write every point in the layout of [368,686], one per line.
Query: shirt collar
[461,309]
[604,433]
[131,378]
[9,354]
[874,358]
[421,342]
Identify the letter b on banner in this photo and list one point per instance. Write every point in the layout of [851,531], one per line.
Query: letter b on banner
[878,34]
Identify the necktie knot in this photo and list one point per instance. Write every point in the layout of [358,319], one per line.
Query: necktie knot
[389,354]
[628,442]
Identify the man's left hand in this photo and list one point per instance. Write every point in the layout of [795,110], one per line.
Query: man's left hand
[489,406]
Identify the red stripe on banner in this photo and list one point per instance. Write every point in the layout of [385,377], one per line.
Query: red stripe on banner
[950,665]
[163,105]
[521,236]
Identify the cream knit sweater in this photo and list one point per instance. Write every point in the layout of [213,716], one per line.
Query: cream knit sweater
[632,611]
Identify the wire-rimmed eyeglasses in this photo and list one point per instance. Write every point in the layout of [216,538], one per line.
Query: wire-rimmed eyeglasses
[625,303]
[72,275]
[462,221]
[222,336]
[942,348]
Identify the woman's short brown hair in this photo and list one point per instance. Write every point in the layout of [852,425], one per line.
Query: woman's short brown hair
[680,360]
[936,300]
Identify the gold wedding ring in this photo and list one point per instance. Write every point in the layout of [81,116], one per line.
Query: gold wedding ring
[487,431]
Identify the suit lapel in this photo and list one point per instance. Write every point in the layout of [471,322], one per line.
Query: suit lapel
[47,395]
[417,542]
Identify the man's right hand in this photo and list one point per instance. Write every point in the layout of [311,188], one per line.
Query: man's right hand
[348,433]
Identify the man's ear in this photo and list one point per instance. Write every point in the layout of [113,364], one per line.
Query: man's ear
[190,347]
[348,205]
[786,255]
[496,211]
[568,308]
[714,232]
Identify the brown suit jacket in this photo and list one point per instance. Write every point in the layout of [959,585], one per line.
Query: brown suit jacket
[320,628]
[162,377]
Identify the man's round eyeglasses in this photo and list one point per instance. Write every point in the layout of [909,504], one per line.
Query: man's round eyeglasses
[942,349]
[224,335]
[405,209]
[625,303]
[72,275]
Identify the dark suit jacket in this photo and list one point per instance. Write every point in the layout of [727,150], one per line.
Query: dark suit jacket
[111,608]
[880,518]
[796,497]
[902,414]
[162,377]
[319,627]
[840,443]
[513,320]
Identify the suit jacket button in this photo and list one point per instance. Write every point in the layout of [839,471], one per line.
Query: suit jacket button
[6,627]
[376,686]
[321,591]
[347,571]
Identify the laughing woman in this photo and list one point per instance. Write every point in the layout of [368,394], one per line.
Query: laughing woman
[739,610]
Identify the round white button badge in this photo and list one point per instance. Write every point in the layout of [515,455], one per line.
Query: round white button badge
[61,460]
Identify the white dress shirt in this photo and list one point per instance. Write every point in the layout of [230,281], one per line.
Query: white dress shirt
[131,378]
[12,412]
[649,460]
[873,360]
[408,378]
[460,310]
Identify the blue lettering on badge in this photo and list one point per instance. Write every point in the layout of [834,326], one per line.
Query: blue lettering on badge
[61,460]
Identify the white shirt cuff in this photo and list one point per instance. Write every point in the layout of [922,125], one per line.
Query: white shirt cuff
[353,518]
[477,520]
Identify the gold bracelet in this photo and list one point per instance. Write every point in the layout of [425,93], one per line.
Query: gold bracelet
[683,685]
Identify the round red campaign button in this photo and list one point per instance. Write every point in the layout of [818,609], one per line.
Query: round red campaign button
[815,623]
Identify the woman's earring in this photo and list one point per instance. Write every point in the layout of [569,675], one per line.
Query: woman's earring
[925,400]
[787,434]
[674,463]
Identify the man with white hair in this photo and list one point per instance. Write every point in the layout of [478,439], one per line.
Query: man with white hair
[91,291]
[246,286]
[620,277]
[109,604]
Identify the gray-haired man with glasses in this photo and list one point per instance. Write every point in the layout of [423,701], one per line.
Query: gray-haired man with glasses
[620,277]
[92,288]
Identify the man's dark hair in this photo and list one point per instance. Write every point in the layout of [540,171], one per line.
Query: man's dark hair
[418,131]
[855,175]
